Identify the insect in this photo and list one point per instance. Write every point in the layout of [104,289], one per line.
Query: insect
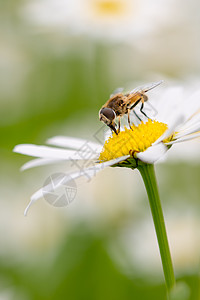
[121,104]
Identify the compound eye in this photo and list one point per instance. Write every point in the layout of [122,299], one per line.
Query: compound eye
[108,113]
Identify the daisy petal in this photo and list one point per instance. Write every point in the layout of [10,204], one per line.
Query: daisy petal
[39,162]
[89,172]
[153,153]
[73,143]
[185,138]
[193,120]
[172,98]
[190,130]
[50,152]
[171,129]
[48,161]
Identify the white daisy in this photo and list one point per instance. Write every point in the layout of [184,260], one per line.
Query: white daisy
[112,19]
[145,143]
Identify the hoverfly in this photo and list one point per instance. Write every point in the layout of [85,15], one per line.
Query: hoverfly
[121,104]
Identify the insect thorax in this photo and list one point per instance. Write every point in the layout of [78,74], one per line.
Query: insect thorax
[118,104]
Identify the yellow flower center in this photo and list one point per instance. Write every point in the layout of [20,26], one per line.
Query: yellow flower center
[130,141]
[109,7]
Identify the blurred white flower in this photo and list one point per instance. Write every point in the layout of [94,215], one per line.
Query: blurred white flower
[170,50]
[184,237]
[147,143]
[111,19]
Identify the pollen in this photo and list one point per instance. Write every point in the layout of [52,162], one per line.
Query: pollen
[131,141]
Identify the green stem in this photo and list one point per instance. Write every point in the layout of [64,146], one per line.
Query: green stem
[148,174]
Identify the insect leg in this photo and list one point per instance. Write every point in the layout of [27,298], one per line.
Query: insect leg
[129,121]
[134,104]
[112,127]
[119,122]
[131,108]
[137,116]
[141,109]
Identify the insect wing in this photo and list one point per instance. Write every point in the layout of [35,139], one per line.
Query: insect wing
[147,87]
[150,109]
[117,91]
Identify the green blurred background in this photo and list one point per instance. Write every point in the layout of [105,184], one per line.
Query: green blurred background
[57,67]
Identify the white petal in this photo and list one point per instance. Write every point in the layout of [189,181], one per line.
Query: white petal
[153,153]
[192,104]
[194,119]
[74,143]
[39,162]
[48,161]
[190,125]
[168,105]
[50,152]
[186,138]
[193,129]
[89,172]
[171,129]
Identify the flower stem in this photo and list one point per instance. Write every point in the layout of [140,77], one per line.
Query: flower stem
[148,174]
